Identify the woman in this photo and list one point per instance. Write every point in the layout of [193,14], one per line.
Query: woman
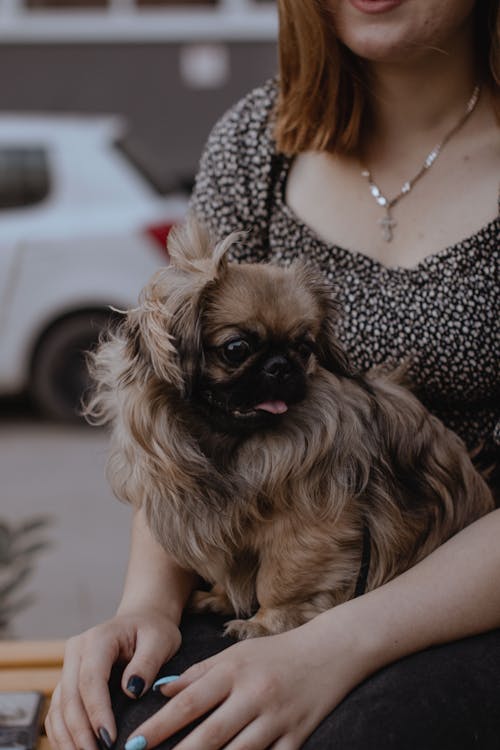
[315,167]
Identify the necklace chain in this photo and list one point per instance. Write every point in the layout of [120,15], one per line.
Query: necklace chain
[387,222]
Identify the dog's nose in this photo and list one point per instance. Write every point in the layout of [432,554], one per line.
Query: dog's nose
[277,367]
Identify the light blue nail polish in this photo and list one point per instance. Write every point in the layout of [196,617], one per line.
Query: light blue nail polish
[164,681]
[136,743]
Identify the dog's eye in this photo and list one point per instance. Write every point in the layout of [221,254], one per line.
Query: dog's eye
[236,351]
[305,349]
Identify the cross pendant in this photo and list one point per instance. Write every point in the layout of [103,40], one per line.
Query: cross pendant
[387,223]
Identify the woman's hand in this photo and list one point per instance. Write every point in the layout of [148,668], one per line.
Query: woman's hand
[266,692]
[81,705]
[274,691]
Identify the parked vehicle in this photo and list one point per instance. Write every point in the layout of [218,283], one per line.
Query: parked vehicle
[81,231]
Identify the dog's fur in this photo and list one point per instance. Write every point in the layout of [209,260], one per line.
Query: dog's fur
[270,508]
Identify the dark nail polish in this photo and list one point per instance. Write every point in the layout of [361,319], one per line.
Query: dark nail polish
[135,685]
[105,738]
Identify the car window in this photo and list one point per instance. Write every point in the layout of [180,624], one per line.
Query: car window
[24,176]
[165,187]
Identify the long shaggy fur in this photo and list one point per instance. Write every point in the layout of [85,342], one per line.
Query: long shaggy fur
[273,519]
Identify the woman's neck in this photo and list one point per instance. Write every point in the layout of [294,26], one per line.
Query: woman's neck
[418,101]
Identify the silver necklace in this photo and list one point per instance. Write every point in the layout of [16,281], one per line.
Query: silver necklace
[388,222]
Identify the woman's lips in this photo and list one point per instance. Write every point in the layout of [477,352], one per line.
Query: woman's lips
[375,6]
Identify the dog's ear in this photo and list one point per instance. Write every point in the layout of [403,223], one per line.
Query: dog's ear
[169,325]
[151,338]
[329,351]
[171,310]
[193,249]
[331,355]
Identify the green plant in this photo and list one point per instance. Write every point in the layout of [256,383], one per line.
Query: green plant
[19,546]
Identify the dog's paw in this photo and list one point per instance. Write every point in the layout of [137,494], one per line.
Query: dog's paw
[210,601]
[242,629]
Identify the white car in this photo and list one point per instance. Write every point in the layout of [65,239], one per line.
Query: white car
[81,231]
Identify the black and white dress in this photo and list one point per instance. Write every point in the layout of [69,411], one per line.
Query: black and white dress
[444,314]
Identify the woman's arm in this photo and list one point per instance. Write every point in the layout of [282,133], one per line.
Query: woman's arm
[274,691]
[144,633]
[154,580]
[453,593]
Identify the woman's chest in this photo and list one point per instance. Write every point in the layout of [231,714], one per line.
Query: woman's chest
[449,333]
[457,197]
[444,317]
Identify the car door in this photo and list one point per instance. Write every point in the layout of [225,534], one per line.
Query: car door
[24,184]
[7,263]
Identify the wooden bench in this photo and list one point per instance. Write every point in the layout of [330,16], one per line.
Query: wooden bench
[31,665]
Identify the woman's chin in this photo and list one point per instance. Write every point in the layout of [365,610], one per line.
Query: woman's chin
[381,48]
[407,32]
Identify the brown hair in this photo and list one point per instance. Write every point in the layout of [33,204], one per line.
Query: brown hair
[323,103]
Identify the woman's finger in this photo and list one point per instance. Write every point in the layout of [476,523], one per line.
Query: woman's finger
[95,670]
[80,730]
[57,732]
[193,702]
[221,726]
[257,735]
[67,705]
[171,685]
[150,653]
[286,743]
[85,701]
[58,735]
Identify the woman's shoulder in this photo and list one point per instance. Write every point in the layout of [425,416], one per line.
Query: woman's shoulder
[232,185]
[249,118]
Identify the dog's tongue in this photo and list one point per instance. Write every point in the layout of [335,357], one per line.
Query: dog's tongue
[274,407]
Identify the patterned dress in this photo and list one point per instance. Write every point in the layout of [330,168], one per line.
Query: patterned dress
[443,316]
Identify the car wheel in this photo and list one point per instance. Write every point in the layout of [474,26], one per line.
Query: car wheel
[59,372]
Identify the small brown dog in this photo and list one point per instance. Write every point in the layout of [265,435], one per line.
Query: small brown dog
[263,462]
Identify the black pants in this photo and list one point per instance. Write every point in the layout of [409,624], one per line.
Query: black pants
[445,698]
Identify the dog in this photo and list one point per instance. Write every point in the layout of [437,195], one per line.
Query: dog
[263,461]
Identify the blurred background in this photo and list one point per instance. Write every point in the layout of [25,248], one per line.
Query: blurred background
[105,106]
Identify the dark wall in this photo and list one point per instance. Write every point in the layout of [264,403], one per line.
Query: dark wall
[168,121]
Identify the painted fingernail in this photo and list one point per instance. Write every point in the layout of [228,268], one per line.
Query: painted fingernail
[135,685]
[165,681]
[105,738]
[136,743]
